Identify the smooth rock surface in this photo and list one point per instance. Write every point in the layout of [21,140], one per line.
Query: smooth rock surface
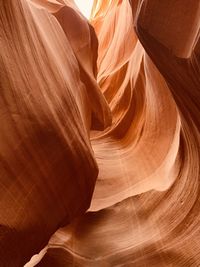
[100,116]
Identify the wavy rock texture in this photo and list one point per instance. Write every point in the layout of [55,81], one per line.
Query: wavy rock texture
[133,72]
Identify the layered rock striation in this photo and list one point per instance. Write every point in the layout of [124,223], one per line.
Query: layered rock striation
[100,116]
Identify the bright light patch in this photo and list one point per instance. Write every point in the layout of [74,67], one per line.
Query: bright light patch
[85,6]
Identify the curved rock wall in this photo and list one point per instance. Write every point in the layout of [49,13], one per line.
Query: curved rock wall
[102,114]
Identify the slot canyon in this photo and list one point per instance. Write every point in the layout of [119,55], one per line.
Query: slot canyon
[100,133]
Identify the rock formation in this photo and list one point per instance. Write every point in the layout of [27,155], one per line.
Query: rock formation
[99,140]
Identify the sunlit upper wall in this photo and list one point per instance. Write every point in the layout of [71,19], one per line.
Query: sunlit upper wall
[85,6]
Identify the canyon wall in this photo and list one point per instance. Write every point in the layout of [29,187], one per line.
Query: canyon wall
[100,133]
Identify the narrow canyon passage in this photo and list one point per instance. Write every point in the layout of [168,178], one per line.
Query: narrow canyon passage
[99,140]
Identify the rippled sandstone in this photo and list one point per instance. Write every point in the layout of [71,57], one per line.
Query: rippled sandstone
[100,116]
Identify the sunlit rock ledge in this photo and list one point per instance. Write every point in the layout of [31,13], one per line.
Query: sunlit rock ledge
[99,138]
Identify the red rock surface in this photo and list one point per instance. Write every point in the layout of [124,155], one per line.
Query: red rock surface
[99,140]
